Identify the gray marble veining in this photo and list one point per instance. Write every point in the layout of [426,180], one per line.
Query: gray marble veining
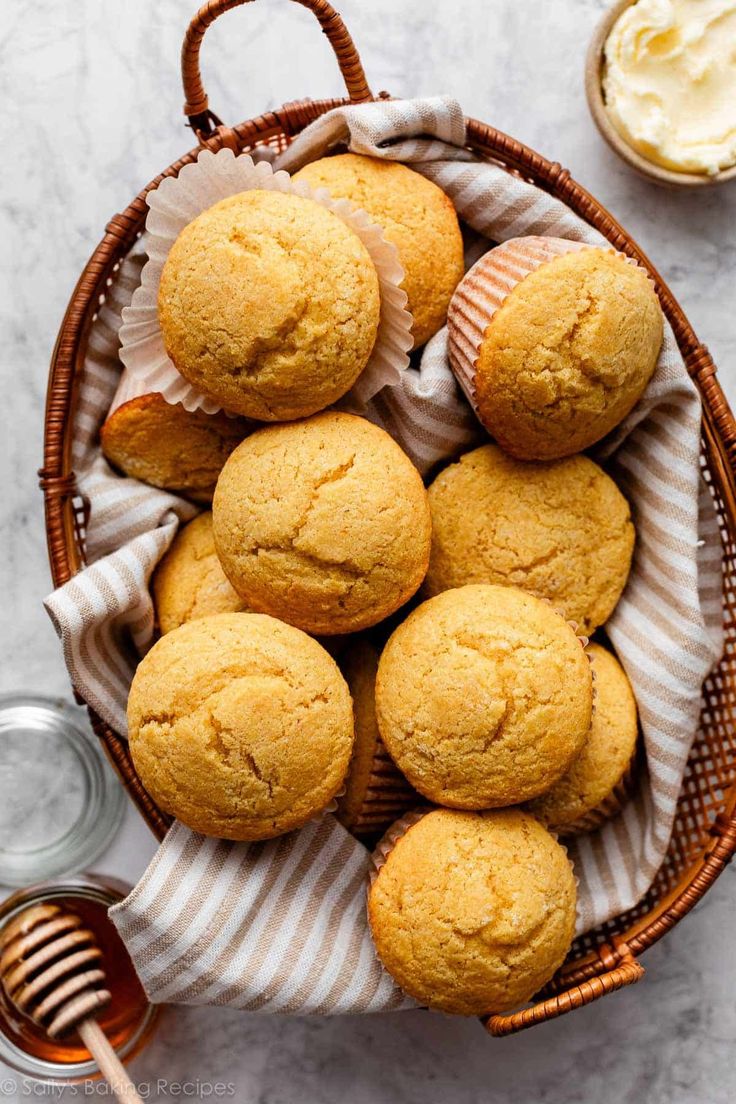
[91,111]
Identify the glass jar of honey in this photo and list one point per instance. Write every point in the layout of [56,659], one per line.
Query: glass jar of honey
[127,1021]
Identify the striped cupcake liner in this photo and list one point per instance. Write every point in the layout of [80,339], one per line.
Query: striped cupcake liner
[388,796]
[485,287]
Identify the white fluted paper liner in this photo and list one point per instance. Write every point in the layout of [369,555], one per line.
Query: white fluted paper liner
[483,290]
[129,387]
[177,201]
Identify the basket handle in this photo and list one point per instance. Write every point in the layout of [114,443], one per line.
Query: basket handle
[196,107]
[627,972]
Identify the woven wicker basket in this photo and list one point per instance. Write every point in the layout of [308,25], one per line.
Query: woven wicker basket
[704,836]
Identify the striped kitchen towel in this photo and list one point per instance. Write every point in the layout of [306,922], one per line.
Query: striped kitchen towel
[280,926]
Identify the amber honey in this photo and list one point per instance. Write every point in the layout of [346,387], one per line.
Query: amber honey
[126,1021]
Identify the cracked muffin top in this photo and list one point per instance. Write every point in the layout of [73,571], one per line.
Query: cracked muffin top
[568,353]
[473,912]
[189,581]
[269,304]
[240,726]
[324,523]
[415,215]
[484,697]
[561,530]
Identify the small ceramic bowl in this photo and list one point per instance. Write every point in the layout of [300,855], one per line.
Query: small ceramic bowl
[596,103]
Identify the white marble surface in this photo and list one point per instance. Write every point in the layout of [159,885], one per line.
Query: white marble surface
[91,111]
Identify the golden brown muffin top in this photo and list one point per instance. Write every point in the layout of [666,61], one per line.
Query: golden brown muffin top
[189,581]
[483,696]
[607,753]
[240,726]
[568,354]
[324,523]
[561,530]
[167,446]
[416,216]
[269,304]
[473,912]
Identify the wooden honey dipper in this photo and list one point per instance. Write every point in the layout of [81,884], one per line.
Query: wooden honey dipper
[51,971]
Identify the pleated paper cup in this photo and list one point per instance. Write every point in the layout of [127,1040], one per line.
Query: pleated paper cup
[478,298]
[483,290]
[129,388]
[385,796]
[176,202]
[376,792]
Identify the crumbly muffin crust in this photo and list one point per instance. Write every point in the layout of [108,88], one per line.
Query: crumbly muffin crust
[483,697]
[189,581]
[416,216]
[269,304]
[568,354]
[240,726]
[473,912]
[559,529]
[324,523]
[167,446]
[605,758]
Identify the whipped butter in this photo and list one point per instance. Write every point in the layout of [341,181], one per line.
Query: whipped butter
[669,82]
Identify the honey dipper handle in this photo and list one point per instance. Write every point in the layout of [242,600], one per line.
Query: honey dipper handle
[111,1068]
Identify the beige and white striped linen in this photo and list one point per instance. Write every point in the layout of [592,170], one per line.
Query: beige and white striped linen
[281,926]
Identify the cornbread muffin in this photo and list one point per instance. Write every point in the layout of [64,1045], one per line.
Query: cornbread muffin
[484,697]
[415,215]
[376,793]
[567,353]
[240,726]
[323,523]
[167,446]
[189,582]
[596,785]
[269,304]
[473,913]
[561,530]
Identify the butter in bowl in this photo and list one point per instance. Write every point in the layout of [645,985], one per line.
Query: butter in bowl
[661,87]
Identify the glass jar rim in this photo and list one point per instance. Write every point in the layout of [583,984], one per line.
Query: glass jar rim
[103,800]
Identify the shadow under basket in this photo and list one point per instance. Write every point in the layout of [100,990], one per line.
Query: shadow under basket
[704,834]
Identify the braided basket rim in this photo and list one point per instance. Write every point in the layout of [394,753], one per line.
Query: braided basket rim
[590,973]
